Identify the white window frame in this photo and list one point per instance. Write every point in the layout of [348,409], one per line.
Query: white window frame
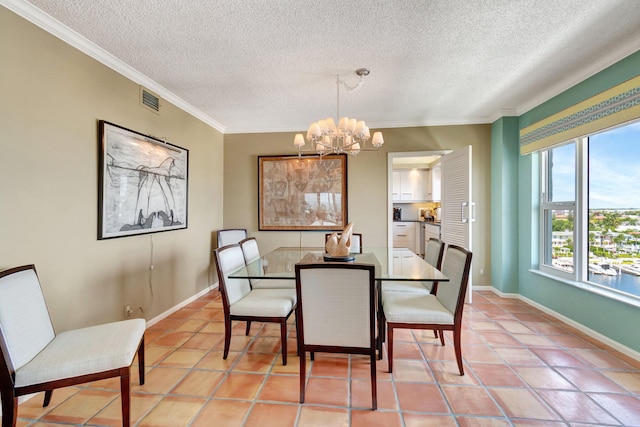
[580,275]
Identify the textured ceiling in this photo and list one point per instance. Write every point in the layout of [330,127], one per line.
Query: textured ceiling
[270,65]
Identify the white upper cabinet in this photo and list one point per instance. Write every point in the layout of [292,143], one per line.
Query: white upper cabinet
[411,185]
[436,182]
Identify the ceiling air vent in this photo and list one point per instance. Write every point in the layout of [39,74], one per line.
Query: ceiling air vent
[149,100]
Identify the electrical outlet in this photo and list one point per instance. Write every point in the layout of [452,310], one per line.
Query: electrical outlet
[482,271]
[127,311]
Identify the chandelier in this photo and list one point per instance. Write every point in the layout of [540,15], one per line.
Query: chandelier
[349,136]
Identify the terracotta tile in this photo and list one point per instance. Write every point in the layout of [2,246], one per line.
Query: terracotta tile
[375,419]
[192,325]
[173,411]
[470,401]
[266,345]
[292,366]
[628,380]
[602,359]
[421,398]
[77,409]
[482,422]
[183,358]
[167,324]
[411,370]
[543,377]
[576,407]
[361,395]
[154,355]
[172,339]
[571,341]
[213,327]
[313,416]
[203,341]
[447,373]
[557,357]
[206,313]
[529,317]
[438,352]
[625,408]
[518,356]
[240,386]
[480,354]
[141,403]
[500,339]
[487,325]
[531,340]
[160,380]
[271,415]
[199,383]
[591,380]
[514,327]
[537,423]
[33,408]
[222,413]
[522,403]
[255,362]
[281,388]
[406,350]
[361,368]
[326,365]
[327,391]
[496,375]
[428,420]
[214,360]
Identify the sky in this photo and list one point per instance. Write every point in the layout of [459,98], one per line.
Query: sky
[614,169]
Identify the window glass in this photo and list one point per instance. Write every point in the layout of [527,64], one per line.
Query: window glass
[614,208]
[590,212]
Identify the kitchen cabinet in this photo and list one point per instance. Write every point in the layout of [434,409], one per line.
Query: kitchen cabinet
[406,235]
[436,182]
[411,185]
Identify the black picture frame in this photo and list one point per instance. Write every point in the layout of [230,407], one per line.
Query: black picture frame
[143,183]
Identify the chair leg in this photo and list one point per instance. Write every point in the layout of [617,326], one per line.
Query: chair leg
[9,408]
[248,327]
[456,345]
[374,384]
[125,389]
[303,374]
[390,347]
[227,337]
[47,398]
[283,338]
[441,333]
[141,361]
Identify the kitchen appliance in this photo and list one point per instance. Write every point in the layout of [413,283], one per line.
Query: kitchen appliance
[397,214]
[436,214]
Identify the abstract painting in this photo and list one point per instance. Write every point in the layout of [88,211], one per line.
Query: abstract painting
[302,192]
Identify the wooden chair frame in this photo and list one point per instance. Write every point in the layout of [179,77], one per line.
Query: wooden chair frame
[10,392]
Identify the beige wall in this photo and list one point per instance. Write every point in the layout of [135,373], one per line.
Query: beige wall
[367,184]
[52,98]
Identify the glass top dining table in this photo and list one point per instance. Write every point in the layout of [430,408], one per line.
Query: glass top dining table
[390,264]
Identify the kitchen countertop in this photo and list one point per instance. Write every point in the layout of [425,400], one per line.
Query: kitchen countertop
[417,220]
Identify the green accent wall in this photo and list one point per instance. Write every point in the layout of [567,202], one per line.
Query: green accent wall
[504,202]
[616,320]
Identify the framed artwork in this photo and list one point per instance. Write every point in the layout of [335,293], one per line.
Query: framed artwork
[143,183]
[302,192]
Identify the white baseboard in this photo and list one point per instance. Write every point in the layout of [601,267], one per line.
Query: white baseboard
[184,303]
[579,326]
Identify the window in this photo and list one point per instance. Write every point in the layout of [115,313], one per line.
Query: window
[590,212]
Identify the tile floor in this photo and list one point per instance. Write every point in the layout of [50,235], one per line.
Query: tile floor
[523,368]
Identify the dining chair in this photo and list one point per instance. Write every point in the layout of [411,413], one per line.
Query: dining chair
[35,358]
[439,312]
[251,253]
[229,236]
[336,313]
[356,242]
[240,302]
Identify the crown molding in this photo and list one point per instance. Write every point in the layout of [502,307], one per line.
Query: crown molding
[67,35]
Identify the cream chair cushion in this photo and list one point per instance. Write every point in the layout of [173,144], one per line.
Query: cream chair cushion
[404,307]
[408,286]
[84,351]
[265,303]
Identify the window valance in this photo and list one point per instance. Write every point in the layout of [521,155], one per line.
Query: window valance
[612,107]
